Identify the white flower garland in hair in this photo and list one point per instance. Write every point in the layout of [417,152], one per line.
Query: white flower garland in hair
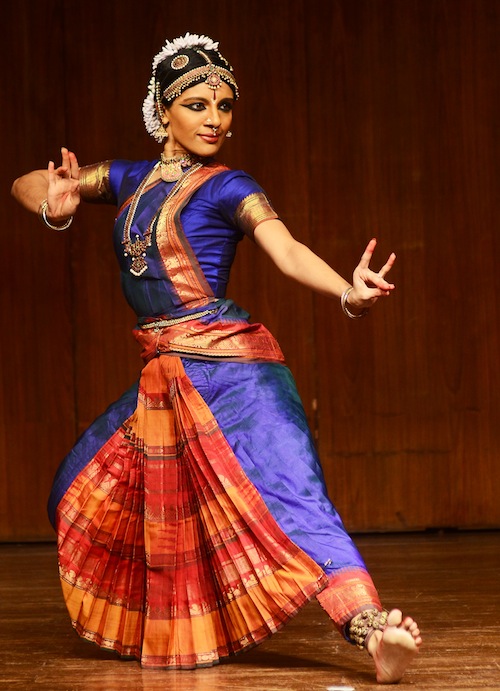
[149,109]
[181,43]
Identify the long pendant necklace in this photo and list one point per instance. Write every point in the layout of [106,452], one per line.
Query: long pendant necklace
[136,249]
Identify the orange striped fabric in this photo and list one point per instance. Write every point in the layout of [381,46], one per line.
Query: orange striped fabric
[167,552]
[179,261]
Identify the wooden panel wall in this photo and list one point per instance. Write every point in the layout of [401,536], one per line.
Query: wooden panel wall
[410,409]
[37,398]
[360,118]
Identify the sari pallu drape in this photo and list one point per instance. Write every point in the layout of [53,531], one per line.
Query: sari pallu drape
[167,552]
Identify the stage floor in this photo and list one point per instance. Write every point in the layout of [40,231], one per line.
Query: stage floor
[450,582]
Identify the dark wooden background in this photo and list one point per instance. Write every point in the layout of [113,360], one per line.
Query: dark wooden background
[360,118]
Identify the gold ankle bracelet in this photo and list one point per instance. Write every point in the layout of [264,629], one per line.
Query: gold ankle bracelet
[363,625]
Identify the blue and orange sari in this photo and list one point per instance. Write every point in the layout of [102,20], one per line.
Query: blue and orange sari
[192,517]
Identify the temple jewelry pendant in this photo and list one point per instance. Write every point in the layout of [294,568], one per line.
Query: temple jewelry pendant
[137,252]
[138,266]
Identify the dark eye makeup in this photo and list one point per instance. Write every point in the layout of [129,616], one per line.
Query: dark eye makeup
[198,106]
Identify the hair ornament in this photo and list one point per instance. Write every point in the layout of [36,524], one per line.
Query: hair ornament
[181,43]
[179,62]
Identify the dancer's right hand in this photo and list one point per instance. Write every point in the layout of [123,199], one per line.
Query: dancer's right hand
[63,194]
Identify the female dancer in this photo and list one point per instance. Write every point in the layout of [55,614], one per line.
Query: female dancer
[192,516]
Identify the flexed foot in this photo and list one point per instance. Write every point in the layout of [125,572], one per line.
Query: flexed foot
[395,647]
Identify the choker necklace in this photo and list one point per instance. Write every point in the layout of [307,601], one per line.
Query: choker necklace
[136,249]
[171,169]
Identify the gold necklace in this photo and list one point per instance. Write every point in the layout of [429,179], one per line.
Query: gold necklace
[171,169]
[136,250]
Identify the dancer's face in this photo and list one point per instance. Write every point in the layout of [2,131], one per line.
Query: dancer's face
[198,122]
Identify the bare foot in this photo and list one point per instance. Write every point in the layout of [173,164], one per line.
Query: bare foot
[394,648]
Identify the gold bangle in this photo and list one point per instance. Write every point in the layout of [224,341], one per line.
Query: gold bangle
[346,310]
[42,214]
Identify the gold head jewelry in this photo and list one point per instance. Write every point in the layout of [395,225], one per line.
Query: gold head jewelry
[214,74]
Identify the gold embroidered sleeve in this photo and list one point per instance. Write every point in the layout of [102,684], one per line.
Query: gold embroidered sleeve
[253,210]
[94,183]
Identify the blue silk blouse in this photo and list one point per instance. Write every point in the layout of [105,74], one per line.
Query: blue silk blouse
[208,221]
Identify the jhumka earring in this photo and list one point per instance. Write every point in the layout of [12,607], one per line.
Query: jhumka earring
[229,134]
[162,132]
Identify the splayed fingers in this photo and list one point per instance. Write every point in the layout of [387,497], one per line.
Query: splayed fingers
[371,278]
[387,266]
[63,188]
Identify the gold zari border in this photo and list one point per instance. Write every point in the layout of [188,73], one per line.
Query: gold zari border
[94,182]
[253,210]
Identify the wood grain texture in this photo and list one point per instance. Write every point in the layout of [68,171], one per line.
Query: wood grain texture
[411,414]
[359,118]
[457,608]
[37,417]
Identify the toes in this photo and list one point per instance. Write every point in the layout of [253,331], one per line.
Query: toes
[411,626]
[395,617]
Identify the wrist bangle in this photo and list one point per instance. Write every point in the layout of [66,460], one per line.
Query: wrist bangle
[42,213]
[345,308]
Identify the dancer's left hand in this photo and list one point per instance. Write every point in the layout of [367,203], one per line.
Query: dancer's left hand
[368,285]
